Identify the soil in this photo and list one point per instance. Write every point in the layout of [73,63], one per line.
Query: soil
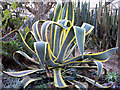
[112,63]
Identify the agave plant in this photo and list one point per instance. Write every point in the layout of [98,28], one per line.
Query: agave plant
[53,59]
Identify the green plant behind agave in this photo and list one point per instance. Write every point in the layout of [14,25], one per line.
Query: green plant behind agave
[53,59]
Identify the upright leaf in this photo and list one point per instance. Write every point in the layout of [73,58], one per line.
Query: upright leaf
[58,80]
[67,39]
[80,38]
[56,17]
[40,49]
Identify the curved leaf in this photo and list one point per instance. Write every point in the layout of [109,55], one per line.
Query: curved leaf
[40,49]
[68,46]
[36,31]
[102,56]
[56,17]
[22,39]
[29,35]
[69,78]
[75,62]
[50,58]
[88,28]
[58,80]
[44,29]
[68,12]
[57,35]
[83,67]
[99,69]
[22,73]
[93,82]
[24,55]
[67,39]
[27,81]
[80,38]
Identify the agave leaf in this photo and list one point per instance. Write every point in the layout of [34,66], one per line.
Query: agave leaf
[40,48]
[88,67]
[44,29]
[64,12]
[56,17]
[69,78]
[57,11]
[50,57]
[102,56]
[105,71]
[36,31]
[80,38]
[72,49]
[78,85]
[27,81]
[93,82]
[68,70]
[75,61]
[22,39]
[8,35]
[67,39]
[70,16]
[83,67]
[29,35]
[57,35]
[58,80]
[24,55]
[22,73]
[68,12]
[99,69]
[49,53]
[88,28]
